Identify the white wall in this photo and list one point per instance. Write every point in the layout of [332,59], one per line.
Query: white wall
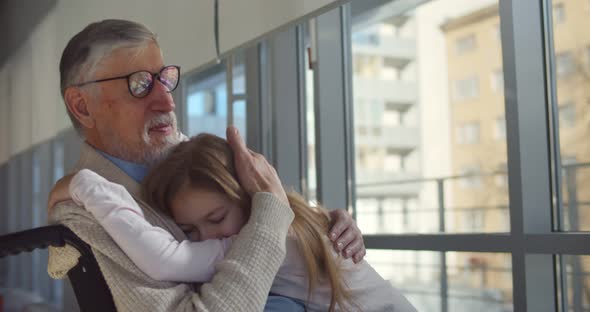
[31,109]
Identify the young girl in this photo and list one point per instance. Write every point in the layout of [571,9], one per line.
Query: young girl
[197,186]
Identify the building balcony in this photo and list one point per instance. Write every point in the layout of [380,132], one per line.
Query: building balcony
[397,94]
[395,51]
[380,184]
[398,139]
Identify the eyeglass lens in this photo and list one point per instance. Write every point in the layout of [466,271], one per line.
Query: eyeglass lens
[141,83]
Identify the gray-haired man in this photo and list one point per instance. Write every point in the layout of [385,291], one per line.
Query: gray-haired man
[117,91]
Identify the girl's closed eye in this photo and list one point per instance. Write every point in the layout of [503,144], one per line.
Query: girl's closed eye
[218,220]
[218,216]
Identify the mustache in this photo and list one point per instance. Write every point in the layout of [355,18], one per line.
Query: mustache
[163,119]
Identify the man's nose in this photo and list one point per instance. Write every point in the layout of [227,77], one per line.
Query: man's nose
[161,99]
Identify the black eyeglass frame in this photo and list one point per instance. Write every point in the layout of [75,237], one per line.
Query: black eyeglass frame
[155,76]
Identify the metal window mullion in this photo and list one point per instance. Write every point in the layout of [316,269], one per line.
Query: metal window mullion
[258,103]
[229,88]
[253,101]
[528,149]
[560,243]
[346,34]
[285,81]
[332,104]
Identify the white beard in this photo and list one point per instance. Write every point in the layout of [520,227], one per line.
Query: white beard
[149,150]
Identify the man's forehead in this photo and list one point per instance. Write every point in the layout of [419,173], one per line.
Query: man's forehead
[129,59]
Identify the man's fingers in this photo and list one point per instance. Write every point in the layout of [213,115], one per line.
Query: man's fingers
[235,140]
[340,223]
[353,248]
[359,255]
[346,238]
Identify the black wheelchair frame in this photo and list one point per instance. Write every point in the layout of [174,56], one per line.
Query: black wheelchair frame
[90,287]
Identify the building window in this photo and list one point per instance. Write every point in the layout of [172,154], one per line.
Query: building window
[465,44]
[501,175]
[468,133]
[558,13]
[393,161]
[471,177]
[496,33]
[362,131]
[473,220]
[564,64]
[467,88]
[497,81]
[567,115]
[500,129]
[391,115]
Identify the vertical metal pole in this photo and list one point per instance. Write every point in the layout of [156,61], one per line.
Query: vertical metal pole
[577,279]
[444,284]
[380,223]
[229,87]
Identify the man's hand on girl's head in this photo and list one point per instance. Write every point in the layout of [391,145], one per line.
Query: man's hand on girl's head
[254,172]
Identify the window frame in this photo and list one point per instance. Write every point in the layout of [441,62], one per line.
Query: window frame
[533,241]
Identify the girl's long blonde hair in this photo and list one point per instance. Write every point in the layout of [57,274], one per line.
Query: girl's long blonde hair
[207,161]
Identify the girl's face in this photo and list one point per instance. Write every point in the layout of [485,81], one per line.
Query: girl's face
[206,214]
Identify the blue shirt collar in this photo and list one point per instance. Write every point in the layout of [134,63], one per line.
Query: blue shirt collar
[134,170]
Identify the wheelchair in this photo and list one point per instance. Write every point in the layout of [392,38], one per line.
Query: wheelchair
[90,287]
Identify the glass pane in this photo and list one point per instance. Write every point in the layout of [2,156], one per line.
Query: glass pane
[430,134]
[475,281]
[239,83]
[577,282]
[207,103]
[479,281]
[416,274]
[240,116]
[572,68]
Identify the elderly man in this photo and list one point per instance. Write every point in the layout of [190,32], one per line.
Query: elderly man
[117,91]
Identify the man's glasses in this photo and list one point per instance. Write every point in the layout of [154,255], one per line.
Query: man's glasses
[140,83]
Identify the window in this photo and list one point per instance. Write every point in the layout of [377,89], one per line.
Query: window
[392,116]
[500,129]
[501,175]
[470,177]
[497,81]
[496,33]
[393,162]
[206,100]
[558,13]
[567,115]
[572,61]
[468,133]
[473,220]
[465,44]
[564,64]
[413,184]
[465,89]
[366,66]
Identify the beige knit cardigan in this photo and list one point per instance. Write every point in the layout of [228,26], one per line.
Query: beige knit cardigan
[243,278]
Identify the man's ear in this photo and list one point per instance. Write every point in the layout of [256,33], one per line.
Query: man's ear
[77,102]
